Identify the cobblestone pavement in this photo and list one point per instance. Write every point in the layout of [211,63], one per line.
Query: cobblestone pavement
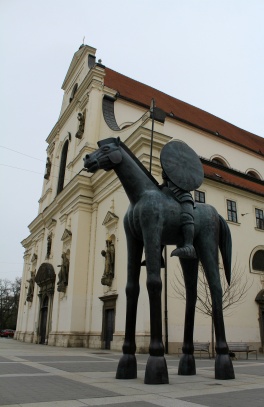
[44,376]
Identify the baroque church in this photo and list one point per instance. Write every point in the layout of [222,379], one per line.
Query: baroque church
[74,276]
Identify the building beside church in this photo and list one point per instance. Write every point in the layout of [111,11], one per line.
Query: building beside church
[74,276]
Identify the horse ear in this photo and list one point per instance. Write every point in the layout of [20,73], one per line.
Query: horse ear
[118,140]
[115,157]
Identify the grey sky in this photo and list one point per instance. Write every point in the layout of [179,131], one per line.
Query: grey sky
[209,53]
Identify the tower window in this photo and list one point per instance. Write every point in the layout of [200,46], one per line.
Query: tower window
[62,167]
[74,90]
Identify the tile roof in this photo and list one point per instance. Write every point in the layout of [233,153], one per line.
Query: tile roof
[233,178]
[142,94]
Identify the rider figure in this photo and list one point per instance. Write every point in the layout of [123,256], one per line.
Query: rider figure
[182,173]
[186,218]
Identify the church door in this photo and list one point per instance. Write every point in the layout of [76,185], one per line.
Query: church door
[109,327]
[43,319]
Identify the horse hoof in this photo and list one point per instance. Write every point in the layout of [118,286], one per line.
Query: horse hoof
[187,365]
[224,368]
[127,367]
[156,371]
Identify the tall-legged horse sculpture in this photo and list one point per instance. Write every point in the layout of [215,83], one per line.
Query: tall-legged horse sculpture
[152,221]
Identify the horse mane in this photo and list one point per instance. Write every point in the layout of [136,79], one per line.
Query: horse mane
[139,163]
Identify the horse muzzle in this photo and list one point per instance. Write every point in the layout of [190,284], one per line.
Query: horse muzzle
[90,165]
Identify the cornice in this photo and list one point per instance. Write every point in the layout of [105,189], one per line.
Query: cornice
[214,183]
[82,204]
[44,196]
[76,186]
[232,171]
[233,186]
[86,149]
[51,224]
[141,138]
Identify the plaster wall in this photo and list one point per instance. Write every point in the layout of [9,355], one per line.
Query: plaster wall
[208,146]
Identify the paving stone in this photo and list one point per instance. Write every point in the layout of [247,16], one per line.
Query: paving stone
[43,376]
[242,398]
[4,359]
[84,366]
[17,368]
[55,358]
[47,388]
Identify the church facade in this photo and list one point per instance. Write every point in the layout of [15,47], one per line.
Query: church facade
[74,276]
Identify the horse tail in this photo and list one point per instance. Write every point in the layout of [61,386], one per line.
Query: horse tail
[225,245]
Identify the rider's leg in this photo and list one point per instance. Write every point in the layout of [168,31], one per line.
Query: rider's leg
[187,228]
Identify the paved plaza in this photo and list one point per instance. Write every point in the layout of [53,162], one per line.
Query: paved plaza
[44,376]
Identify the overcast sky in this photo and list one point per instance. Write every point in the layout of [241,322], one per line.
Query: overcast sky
[209,53]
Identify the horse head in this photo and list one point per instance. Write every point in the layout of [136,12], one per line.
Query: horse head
[106,157]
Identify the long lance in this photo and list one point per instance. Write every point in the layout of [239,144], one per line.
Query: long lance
[158,115]
[152,107]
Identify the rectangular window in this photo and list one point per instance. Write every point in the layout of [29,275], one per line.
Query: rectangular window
[259,218]
[231,211]
[199,196]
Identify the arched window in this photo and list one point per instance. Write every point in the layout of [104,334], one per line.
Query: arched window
[253,174]
[219,161]
[74,90]
[62,167]
[256,260]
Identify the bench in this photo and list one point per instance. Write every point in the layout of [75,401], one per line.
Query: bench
[241,347]
[200,347]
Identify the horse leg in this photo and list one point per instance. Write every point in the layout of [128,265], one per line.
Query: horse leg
[156,368]
[190,272]
[127,367]
[223,365]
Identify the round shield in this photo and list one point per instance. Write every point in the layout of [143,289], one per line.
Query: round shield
[182,165]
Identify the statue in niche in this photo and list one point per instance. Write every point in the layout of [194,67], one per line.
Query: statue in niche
[80,131]
[31,282]
[63,273]
[48,168]
[109,270]
[49,243]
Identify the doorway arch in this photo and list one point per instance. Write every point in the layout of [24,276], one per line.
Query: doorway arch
[45,279]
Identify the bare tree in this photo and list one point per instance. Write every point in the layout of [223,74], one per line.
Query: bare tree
[9,301]
[233,294]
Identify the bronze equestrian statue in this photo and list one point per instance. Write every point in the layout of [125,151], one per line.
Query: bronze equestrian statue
[153,220]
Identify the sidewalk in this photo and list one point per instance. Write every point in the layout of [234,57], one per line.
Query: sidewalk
[44,376]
